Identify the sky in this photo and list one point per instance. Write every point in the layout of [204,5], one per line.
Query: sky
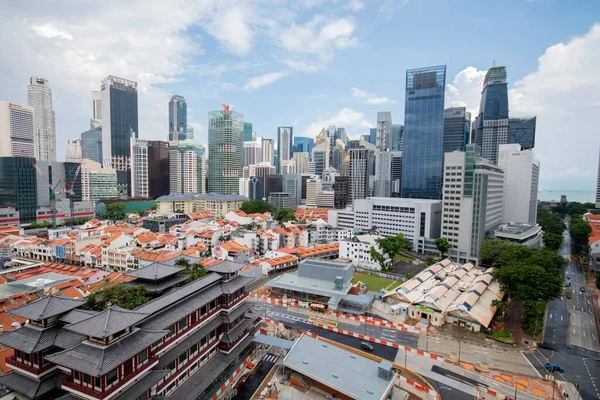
[314,63]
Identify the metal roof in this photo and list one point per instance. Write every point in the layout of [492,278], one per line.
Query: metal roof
[235,284]
[30,339]
[107,322]
[155,287]
[97,360]
[235,333]
[273,341]
[292,281]
[47,307]
[221,197]
[177,197]
[155,271]
[339,369]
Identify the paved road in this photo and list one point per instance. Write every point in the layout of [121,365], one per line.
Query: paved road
[582,329]
[247,389]
[449,393]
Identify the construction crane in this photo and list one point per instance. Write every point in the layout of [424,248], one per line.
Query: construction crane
[53,189]
[69,191]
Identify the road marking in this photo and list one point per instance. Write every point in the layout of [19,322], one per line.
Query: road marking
[529,362]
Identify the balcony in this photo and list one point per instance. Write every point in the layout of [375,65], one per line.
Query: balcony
[78,387]
[13,362]
[189,328]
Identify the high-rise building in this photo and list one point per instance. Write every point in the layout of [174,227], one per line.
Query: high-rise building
[383,177]
[97,183]
[159,169]
[331,130]
[273,184]
[396,173]
[423,133]
[21,196]
[598,185]
[91,143]
[384,130]
[361,168]
[313,187]
[139,168]
[521,180]
[292,185]
[73,152]
[303,144]
[340,133]
[190,132]
[337,155]
[320,156]
[473,202]
[177,118]
[397,137]
[287,167]
[491,125]
[341,189]
[185,167]
[302,160]
[252,152]
[247,132]
[522,131]
[97,105]
[39,96]
[268,151]
[225,150]
[17,133]
[285,138]
[457,125]
[119,124]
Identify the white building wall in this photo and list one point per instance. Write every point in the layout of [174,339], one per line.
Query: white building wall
[17,130]
[139,168]
[39,96]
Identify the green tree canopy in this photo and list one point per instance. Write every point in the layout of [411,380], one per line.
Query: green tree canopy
[257,206]
[442,244]
[378,258]
[579,229]
[552,241]
[115,211]
[491,250]
[529,284]
[392,245]
[550,222]
[128,297]
[429,261]
[573,208]
[284,215]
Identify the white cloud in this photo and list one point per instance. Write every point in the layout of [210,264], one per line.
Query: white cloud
[371,98]
[355,123]
[388,7]
[48,30]
[230,25]
[263,80]
[465,90]
[304,66]
[356,5]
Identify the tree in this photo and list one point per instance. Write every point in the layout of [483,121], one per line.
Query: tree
[284,215]
[117,295]
[391,245]
[115,211]
[379,258]
[195,270]
[491,250]
[529,284]
[552,241]
[257,206]
[182,262]
[550,222]
[442,245]
[429,261]
[579,229]
[500,306]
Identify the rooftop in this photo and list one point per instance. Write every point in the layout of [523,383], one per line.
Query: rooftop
[47,307]
[221,197]
[320,287]
[155,271]
[350,374]
[226,267]
[177,197]
[107,322]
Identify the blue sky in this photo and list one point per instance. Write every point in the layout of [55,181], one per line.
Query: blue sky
[313,63]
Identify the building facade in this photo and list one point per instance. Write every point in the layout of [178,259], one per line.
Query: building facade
[361,168]
[119,124]
[91,143]
[17,130]
[341,191]
[457,125]
[39,96]
[22,196]
[522,131]
[268,151]
[423,133]
[73,152]
[139,168]
[159,168]
[397,137]
[225,150]
[96,105]
[248,135]
[285,139]
[382,185]
[185,167]
[303,144]
[252,152]
[97,183]
[177,118]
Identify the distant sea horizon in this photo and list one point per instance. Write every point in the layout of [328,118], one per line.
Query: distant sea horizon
[581,196]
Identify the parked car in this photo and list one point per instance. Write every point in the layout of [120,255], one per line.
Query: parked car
[581,289]
[568,284]
[551,367]
[367,346]
[568,276]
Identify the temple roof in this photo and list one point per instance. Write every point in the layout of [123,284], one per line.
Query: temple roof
[47,307]
[107,322]
[30,339]
[226,267]
[31,387]
[155,271]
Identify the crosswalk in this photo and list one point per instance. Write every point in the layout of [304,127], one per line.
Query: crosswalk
[270,358]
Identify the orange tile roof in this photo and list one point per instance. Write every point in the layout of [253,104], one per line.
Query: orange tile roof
[111,239]
[280,260]
[287,250]
[233,246]
[7,304]
[73,293]
[155,255]
[240,213]
[146,237]
[304,252]
[72,283]
[209,262]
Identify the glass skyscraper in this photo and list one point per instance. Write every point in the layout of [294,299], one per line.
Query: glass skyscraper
[285,138]
[177,118]
[18,187]
[91,143]
[457,122]
[303,144]
[423,133]
[225,150]
[522,131]
[247,131]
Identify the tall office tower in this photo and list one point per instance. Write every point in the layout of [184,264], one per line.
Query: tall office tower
[522,131]
[457,124]
[598,185]
[491,125]
[366,138]
[293,187]
[273,184]
[372,136]
[313,187]
[383,177]
[473,202]
[341,191]
[285,138]
[225,150]
[252,152]
[91,142]
[320,156]
[17,132]
[521,180]
[361,168]
[397,137]
[331,135]
[248,132]
[340,133]
[302,160]
[303,144]
[119,124]
[185,167]
[158,169]
[345,171]
[423,133]
[384,130]
[337,155]
[139,168]
[13,169]
[287,167]
[97,105]
[73,152]
[177,118]
[396,173]
[39,96]
[204,172]
[268,151]
[189,132]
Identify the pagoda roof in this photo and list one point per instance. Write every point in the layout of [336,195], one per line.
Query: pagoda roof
[226,267]
[154,272]
[31,387]
[30,339]
[107,322]
[47,307]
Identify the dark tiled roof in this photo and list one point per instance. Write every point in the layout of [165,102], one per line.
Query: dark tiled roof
[226,267]
[240,310]
[30,339]
[107,322]
[76,315]
[141,386]
[159,286]
[236,283]
[70,396]
[31,387]
[47,307]
[96,360]
[154,271]
[67,339]
[235,333]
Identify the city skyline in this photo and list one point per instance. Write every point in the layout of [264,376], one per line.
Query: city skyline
[226,68]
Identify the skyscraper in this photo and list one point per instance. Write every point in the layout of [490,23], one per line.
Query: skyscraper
[139,168]
[340,133]
[119,124]
[190,132]
[285,138]
[384,130]
[91,143]
[268,151]
[97,105]
[177,118]
[247,131]
[522,131]
[397,137]
[457,124]
[17,132]
[158,169]
[185,167]
[491,125]
[39,96]
[373,136]
[361,168]
[320,157]
[225,150]
[303,144]
[382,185]
[252,152]
[423,133]
[73,153]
